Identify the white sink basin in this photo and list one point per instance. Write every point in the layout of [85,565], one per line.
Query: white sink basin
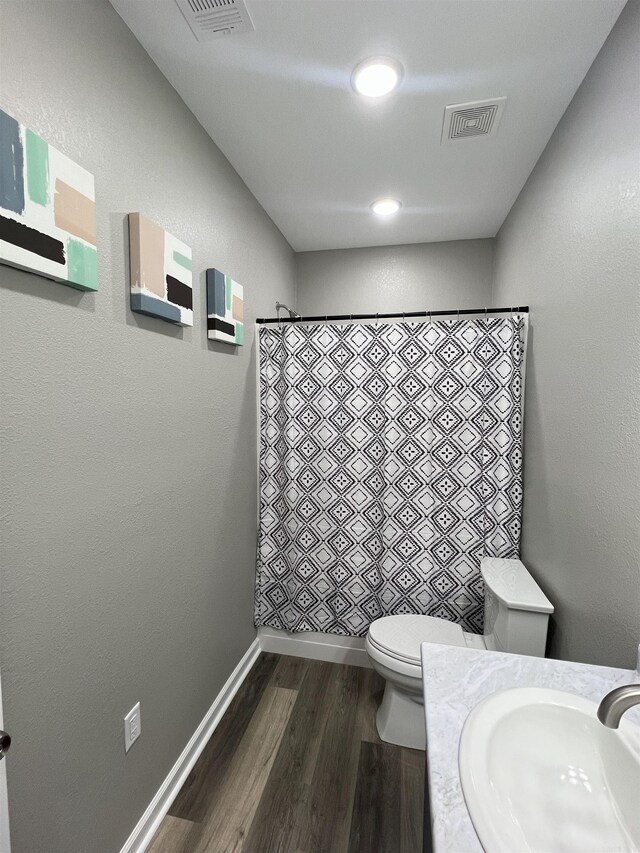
[540,773]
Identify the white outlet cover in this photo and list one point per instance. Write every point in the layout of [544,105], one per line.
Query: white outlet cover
[132,727]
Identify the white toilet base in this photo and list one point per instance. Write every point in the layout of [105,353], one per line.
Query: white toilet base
[400,718]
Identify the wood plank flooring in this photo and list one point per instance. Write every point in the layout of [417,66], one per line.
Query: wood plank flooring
[296,766]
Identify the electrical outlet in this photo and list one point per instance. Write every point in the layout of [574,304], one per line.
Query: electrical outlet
[132,727]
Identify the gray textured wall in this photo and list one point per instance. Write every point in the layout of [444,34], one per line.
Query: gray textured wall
[128,445]
[396,278]
[570,248]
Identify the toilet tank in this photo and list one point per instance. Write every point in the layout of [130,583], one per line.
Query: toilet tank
[516,610]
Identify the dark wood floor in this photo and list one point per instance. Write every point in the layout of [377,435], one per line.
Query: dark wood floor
[296,766]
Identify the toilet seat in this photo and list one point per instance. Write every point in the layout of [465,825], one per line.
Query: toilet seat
[399,637]
[393,647]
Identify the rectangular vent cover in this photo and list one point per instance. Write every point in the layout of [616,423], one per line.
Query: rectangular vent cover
[478,118]
[209,19]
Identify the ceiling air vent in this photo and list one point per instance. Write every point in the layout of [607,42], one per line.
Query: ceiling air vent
[479,118]
[209,19]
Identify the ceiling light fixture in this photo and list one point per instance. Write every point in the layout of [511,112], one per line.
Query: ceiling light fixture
[385,206]
[376,76]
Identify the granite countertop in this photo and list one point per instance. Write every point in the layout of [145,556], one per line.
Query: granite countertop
[455,679]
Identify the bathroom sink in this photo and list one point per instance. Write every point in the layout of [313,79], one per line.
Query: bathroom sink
[540,773]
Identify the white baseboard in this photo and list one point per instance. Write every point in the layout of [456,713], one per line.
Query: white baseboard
[314,645]
[146,827]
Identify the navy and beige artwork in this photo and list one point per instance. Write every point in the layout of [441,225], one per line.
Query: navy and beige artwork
[47,209]
[161,277]
[225,309]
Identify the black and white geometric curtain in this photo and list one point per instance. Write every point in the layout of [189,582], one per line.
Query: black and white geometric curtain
[390,463]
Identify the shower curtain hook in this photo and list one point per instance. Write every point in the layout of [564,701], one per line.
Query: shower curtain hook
[485,313]
[376,318]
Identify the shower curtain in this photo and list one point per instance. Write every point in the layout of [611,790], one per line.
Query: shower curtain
[390,464]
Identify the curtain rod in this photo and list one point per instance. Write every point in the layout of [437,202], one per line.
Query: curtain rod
[518,309]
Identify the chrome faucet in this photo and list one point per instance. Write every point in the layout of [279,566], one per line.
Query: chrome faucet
[616,703]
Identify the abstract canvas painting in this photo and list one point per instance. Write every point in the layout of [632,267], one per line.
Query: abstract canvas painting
[225,309]
[47,209]
[161,279]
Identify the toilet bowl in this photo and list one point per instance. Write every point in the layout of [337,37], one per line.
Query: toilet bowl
[516,615]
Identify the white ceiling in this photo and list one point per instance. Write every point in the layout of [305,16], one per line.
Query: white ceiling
[279,104]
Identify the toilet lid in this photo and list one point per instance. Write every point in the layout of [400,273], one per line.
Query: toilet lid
[400,636]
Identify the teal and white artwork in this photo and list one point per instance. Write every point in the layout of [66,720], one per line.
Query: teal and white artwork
[225,308]
[47,209]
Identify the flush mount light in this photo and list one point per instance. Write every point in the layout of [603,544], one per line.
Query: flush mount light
[376,76]
[385,206]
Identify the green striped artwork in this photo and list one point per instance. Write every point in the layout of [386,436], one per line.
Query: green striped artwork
[37,168]
[183,260]
[228,287]
[82,261]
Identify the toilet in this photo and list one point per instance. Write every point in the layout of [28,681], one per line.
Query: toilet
[516,616]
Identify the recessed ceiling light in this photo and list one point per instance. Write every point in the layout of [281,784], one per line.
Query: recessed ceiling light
[376,76]
[385,206]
